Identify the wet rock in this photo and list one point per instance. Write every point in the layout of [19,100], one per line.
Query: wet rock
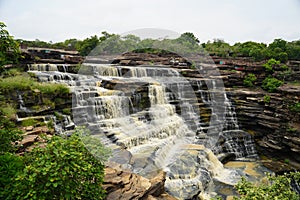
[226,157]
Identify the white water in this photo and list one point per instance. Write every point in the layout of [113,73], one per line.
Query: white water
[154,122]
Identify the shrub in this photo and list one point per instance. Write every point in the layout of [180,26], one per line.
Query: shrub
[295,107]
[271,84]
[9,111]
[284,67]
[267,99]
[64,169]
[9,133]
[249,80]
[277,187]
[10,166]
[270,64]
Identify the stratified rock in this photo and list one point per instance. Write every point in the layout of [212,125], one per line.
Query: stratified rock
[125,185]
[28,140]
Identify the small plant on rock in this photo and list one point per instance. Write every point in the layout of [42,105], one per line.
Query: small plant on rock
[249,80]
[267,99]
[270,64]
[271,84]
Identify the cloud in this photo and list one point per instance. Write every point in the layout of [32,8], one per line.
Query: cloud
[231,20]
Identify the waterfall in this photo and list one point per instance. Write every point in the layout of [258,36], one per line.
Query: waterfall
[158,118]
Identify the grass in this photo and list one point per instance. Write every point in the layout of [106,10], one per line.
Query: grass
[23,83]
[29,122]
[9,111]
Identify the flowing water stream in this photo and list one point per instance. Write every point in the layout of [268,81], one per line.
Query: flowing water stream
[155,119]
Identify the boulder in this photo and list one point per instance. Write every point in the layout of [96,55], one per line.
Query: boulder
[125,185]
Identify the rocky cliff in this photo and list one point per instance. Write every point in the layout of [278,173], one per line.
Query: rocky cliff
[271,118]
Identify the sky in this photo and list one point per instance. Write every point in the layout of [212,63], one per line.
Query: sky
[230,20]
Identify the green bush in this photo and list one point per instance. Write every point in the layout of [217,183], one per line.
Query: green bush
[270,64]
[267,99]
[295,107]
[271,84]
[9,111]
[249,80]
[277,187]
[9,133]
[65,169]
[284,67]
[10,166]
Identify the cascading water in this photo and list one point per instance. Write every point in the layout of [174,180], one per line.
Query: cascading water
[152,113]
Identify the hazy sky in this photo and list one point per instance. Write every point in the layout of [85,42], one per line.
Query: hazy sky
[231,20]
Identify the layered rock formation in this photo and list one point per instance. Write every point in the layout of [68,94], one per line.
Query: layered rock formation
[120,184]
[274,125]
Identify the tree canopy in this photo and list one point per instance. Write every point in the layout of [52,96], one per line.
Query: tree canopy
[9,48]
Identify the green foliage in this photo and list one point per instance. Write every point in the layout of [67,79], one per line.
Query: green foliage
[251,49]
[22,83]
[267,99]
[270,64]
[293,49]
[277,187]
[29,122]
[295,107]
[11,72]
[283,75]
[9,133]
[9,111]
[284,67]
[67,168]
[219,48]
[67,111]
[271,84]
[87,45]
[9,48]
[249,80]
[10,166]
[190,37]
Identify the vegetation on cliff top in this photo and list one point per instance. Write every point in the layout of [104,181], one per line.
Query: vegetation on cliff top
[279,49]
[9,48]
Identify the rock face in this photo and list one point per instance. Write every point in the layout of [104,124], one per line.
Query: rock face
[271,118]
[125,185]
[274,126]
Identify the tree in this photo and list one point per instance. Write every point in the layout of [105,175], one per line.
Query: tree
[219,47]
[66,168]
[278,43]
[251,49]
[293,50]
[278,50]
[189,37]
[87,45]
[9,48]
